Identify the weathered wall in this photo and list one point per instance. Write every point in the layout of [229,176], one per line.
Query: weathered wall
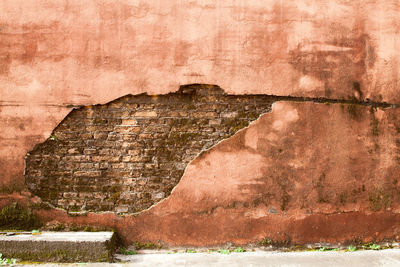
[130,153]
[58,55]
[306,172]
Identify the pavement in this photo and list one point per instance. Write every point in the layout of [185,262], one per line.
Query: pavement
[387,257]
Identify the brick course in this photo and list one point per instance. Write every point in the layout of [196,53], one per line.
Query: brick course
[127,155]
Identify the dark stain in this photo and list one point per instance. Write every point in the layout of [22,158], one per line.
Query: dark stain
[355,111]
[371,56]
[357,88]
[319,186]
[5,62]
[343,198]
[380,199]
[374,123]
[285,198]
[23,41]
[181,53]
[342,68]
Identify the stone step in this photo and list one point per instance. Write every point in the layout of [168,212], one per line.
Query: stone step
[59,246]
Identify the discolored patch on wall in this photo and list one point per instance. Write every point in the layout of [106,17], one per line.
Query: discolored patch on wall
[341,63]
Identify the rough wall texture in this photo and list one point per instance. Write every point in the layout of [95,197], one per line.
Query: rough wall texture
[317,173]
[130,153]
[303,173]
[56,55]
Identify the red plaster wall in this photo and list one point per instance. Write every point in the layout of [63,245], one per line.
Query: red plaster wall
[56,54]
[336,174]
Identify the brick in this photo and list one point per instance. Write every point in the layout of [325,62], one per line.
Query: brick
[129,122]
[100,135]
[118,173]
[78,158]
[70,194]
[215,122]
[87,173]
[158,196]
[87,165]
[85,195]
[89,151]
[135,166]
[132,158]
[85,136]
[120,165]
[116,105]
[73,150]
[205,115]
[134,152]
[127,129]
[142,181]
[132,144]
[121,209]
[106,158]
[113,136]
[103,165]
[178,114]
[229,115]
[93,128]
[158,128]
[109,151]
[146,136]
[147,114]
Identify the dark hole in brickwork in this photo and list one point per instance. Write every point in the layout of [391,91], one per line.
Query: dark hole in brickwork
[128,154]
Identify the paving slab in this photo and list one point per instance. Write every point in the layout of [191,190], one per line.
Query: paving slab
[389,257]
[59,246]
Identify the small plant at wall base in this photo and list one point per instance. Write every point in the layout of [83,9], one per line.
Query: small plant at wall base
[327,249]
[6,261]
[266,242]
[148,245]
[352,248]
[126,251]
[371,246]
[224,251]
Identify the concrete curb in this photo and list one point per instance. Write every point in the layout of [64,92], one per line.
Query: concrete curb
[60,246]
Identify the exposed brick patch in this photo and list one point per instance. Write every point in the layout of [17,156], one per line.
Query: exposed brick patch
[128,154]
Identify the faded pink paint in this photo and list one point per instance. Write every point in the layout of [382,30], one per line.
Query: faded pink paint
[84,52]
[330,175]
[59,53]
[87,52]
[328,166]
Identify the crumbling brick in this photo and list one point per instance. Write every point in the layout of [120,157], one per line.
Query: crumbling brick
[127,155]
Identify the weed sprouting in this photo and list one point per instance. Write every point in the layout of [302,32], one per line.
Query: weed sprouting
[224,251]
[126,251]
[7,261]
[352,248]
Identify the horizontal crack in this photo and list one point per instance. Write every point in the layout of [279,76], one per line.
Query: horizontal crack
[273,97]
[330,100]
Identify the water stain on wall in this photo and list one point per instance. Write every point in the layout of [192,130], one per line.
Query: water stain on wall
[341,63]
